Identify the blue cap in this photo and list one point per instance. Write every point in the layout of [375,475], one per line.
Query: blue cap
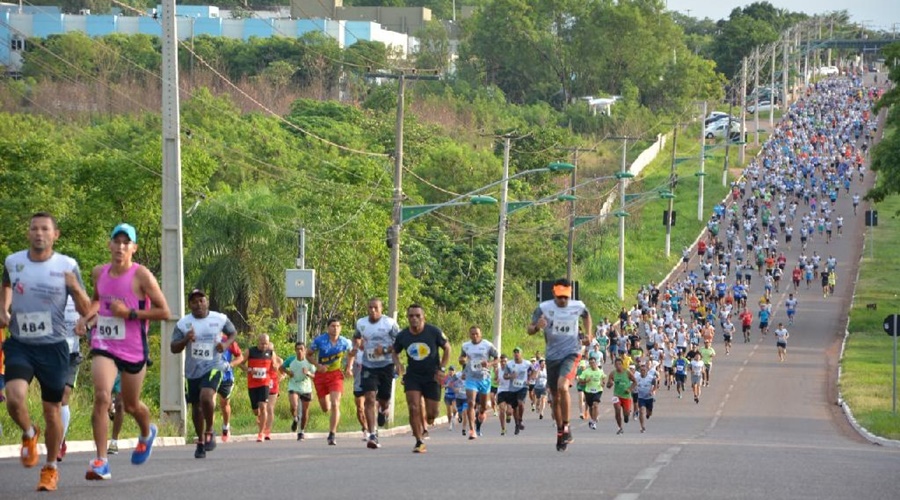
[126,228]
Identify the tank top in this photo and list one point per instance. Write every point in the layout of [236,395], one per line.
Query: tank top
[125,339]
[258,365]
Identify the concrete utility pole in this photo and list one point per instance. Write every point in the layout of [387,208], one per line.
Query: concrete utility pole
[501,249]
[171,384]
[785,70]
[624,171]
[571,243]
[702,173]
[743,150]
[302,308]
[728,139]
[756,64]
[672,190]
[772,93]
[393,233]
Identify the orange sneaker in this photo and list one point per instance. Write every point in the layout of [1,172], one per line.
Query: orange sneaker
[29,453]
[49,478]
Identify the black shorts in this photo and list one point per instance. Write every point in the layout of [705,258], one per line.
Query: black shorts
[75,359]
[258,395]
[210,380]
[519,395]
[680,377]
[123,366]
[428,386]
[49,363]
[225,388]
[781,344]
[359,393]
[378,379]
[508,398]
[645,403]
[592,397]
[304,396]
[539,392]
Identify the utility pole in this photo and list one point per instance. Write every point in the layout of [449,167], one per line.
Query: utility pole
[624,171]
[743,151]
[571,243]
[302,308]
[393,233]
[728,139]
[672,190]
[784,73]
[171,384]
[702,173]
[501,249]
[756,98]
[772,93]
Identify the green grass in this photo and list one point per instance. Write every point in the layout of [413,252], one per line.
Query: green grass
[868,359]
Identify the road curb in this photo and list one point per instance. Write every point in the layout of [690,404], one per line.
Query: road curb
[12,451]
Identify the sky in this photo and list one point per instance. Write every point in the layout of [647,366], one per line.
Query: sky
[879,14]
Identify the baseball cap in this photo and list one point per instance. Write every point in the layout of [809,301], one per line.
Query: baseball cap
[517,349]
[196,291]
[126,228]
[451,368]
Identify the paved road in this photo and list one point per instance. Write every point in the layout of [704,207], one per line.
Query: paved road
[763,429]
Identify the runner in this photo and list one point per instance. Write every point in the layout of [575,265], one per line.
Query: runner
[450,395]
[681,369]
[374,337]
[593,379]
[622,382]
[359,397]
[274,386]
[126,297]
[781,336]
[506,400]
[459,389]
[540,387]
[200,332]
[75,359]
[234,357]
[646,383]
[301,372]
[517,373]
[256,366]
[559,319]
[327,352]
[707,353]
[36,348]
[481,356]
[424,370]
[791,307]
[764,315]
[697,369]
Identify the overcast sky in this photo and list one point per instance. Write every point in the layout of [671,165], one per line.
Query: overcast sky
[880,14]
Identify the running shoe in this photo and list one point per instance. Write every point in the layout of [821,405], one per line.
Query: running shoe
[464,432]
[331,440]
[420,447]
[259,438]
[113,448]
[63,447]
[382,418]
[425,435]
[521,426]
[503,432]
[561,444]
[49,478]
[224,435]
[299,436]
[29,453]
[210,443]
[541,416]
[625,416]
[144,447]
[472,436]
[592,425]
[200,452]
[620,431]
[373,442]
[516,432]
[294,424]
[567,436]
[478,425]
[365,435]
[98,470]
[451,425]
[696,399]
[268,436]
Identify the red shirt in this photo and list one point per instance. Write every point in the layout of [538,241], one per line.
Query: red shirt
[746,318]
[258,365]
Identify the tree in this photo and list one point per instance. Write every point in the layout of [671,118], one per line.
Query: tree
[886,152]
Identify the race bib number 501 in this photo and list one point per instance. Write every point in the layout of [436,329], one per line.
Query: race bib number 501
[110,328]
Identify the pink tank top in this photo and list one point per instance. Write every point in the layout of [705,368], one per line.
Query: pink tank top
[122,338]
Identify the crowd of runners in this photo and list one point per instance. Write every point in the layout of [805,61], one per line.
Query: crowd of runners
[805,182]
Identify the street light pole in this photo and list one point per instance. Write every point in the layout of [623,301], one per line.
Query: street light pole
[501,250]
[672,190]
[397,220]
[702,163]
[624,171]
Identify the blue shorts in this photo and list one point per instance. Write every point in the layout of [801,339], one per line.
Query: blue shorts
[462,404]
[479,386]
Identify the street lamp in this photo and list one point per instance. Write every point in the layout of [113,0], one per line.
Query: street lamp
[501,235]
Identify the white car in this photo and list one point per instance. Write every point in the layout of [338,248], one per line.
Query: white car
[718,130]
[829,71]
[764,106]
[714,117]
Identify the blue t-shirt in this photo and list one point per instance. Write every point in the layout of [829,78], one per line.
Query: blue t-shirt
[331,354]
[764,316]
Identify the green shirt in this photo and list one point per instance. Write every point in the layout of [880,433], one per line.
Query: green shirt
[300,382]
[593,380]
[621,384]
[707,354]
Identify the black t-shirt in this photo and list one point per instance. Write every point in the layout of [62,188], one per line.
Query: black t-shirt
[422,357]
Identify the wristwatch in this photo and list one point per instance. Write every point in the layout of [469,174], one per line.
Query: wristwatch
[442,369]
[132,314]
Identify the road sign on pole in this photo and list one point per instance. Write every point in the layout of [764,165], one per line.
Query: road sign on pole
[892,327]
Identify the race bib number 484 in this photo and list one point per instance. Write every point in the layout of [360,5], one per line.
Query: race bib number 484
[34,324]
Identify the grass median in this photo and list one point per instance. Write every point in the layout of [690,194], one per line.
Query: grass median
[866,379]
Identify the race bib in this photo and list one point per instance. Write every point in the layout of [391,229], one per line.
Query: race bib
[615,399]
[518,383]
[110,328]
[259,373]
[371,356]
[477,365]
[203,350]
[34,324]
[565,327]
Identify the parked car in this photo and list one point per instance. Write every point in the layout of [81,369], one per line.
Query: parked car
[719,129]
[723,118]
[764,107]
[829,71]
[715,116]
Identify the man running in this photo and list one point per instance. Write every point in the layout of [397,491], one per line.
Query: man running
[301,372]
[622,383]
[126,297]
[327,352]
[593,379]
[791,307]
[707,353]
[424,371]
[781,336]
[36,348]
[201,332]
[374,340]
[559,320]
[517,372]
[256,366]
[481,356]
[646,383]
